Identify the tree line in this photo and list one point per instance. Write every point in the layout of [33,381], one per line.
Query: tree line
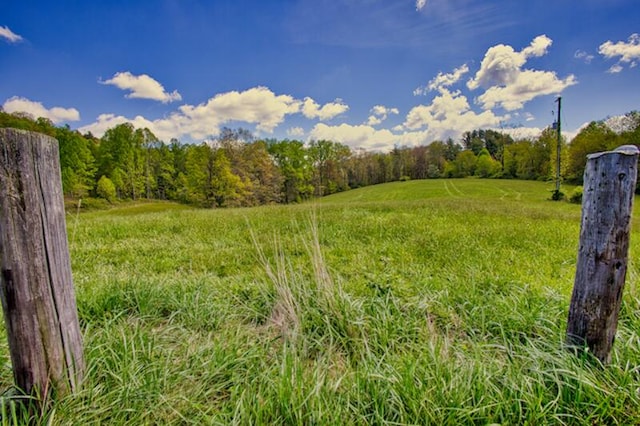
[236,169]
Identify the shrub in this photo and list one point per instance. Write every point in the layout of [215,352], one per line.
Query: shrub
[106,189]
[576,196]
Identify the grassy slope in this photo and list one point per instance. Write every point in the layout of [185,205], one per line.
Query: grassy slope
[439,302]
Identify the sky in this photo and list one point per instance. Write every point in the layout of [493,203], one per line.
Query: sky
[371,74]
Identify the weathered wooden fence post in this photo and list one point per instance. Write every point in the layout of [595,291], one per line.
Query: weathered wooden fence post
[609,185]
[36,286]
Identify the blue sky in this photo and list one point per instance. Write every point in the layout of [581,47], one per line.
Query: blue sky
[368,73]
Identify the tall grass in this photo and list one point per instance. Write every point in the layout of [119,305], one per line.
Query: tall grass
[436,302]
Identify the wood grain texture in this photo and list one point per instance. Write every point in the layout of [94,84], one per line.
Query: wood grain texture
[608,192]
[36,285]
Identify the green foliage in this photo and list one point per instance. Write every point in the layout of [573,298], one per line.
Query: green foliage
[329,159]
[251,162]
[492,141]
[518,161]
[76,162]
[25,121]
[598,137]
[433,172]
[120,158]
[227,187]
[210,180]
[576,195]
[106,189]
[464,165]
[486,166]
[296,169]
[238,170]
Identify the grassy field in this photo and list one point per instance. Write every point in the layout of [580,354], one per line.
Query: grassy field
[423,302]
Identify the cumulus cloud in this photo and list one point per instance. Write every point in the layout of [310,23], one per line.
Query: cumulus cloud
[142,87]
[449,112]
[295,132]
[528,85]
[502,64]
[628,52]
[105,122]
[311,109]
[366,137]
[510,86]
[538,46]
[379,113]
[584,56]
[522,132]
[443,80]
[258,105]
[9,35]
[448,115]
[36,109]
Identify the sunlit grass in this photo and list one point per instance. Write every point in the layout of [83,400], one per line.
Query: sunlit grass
[426,302]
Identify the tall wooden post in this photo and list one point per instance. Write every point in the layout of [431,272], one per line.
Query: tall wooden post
[36,286]
[609,185]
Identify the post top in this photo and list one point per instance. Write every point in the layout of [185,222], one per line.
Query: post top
[624,149]
[628,149]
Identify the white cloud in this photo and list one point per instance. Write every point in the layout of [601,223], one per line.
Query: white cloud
[443,80]
[258,105]
[420,4]
[527,86]
[311,109]
[615,69]
[373,120]
[449,114]
[108,121]
[295,132]
[538,46]
[507,84]
[36,109]
[629,52]
[359,136]
[142,87]
[12,37]
[521,132]
[366,137]
[582,55]
[501,64]
[379,113]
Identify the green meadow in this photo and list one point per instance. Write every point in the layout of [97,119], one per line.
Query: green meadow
[421,302]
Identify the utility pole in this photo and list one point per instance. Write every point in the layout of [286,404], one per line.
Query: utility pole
[559,146]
